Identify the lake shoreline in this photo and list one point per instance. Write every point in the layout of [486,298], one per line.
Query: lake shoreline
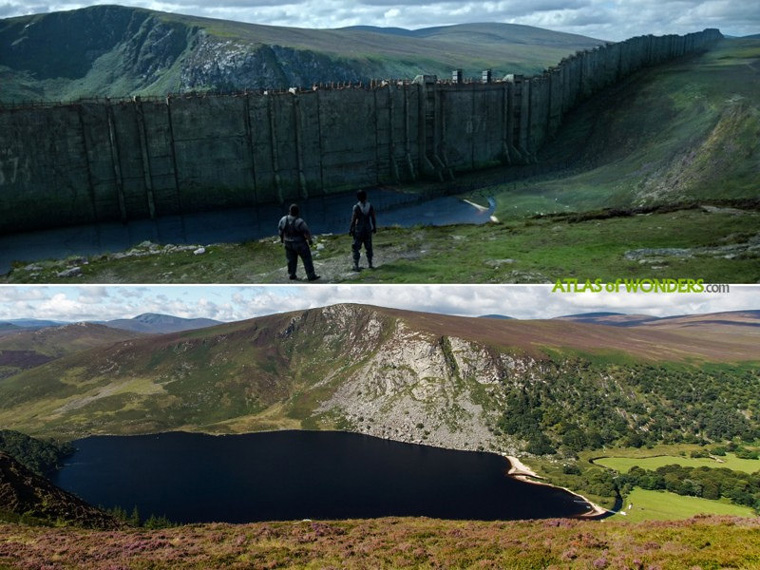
[522,472]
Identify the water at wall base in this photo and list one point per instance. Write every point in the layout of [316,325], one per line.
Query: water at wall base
[324,214]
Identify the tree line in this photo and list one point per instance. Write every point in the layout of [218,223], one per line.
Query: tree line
[578,404]
[44,457]
[706,482]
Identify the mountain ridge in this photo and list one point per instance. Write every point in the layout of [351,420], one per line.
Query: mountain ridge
[117,51]
[386,372]
[30,347]
[155,323]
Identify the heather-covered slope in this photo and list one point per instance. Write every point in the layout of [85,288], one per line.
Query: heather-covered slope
[395,543]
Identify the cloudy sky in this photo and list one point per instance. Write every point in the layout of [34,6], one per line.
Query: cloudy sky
[229,303]
[613,20]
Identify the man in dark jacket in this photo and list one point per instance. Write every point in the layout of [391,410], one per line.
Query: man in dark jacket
[363,225]
[295,234]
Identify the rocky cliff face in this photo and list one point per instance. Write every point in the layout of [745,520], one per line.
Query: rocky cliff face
[78,45]
[115,51]
[231,65]
[403,383]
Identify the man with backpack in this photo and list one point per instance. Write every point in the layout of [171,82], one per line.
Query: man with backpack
[363,225]
[295,235]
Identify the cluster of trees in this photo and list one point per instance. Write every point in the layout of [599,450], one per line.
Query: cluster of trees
[44,457]
[580,404]
[707,482]
[153,522]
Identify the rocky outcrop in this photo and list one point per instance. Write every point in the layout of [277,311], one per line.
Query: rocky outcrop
[232,65]
[424,388]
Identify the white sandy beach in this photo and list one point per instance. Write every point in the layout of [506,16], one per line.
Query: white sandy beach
[520,471]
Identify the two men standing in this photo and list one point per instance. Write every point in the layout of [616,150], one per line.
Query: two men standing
[295,235]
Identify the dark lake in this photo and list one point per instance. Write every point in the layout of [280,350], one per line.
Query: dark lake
[293,475]
[323,214]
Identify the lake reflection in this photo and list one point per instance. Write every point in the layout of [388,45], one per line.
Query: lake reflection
[295,475]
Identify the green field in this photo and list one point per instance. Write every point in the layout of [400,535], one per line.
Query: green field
[662,505]
[730,461]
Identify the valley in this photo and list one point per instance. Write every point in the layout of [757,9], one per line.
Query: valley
[550,389]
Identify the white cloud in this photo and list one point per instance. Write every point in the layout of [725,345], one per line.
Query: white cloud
[604,19]
[230,303]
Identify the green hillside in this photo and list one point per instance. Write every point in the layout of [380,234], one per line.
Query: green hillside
[686,131]
[29,348]
[29,498]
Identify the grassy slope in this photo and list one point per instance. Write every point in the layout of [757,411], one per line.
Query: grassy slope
[730,461]
[503,47]
[29,348]
[685,131]
[663,505]
[66,339]
[716,542]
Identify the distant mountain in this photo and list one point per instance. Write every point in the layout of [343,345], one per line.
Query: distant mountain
[607,318]
[674,323]
[32,323]
[494,316]
[6,328]
[730,318]
[152,323]
[30,347]
[117,51]
[456,382]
